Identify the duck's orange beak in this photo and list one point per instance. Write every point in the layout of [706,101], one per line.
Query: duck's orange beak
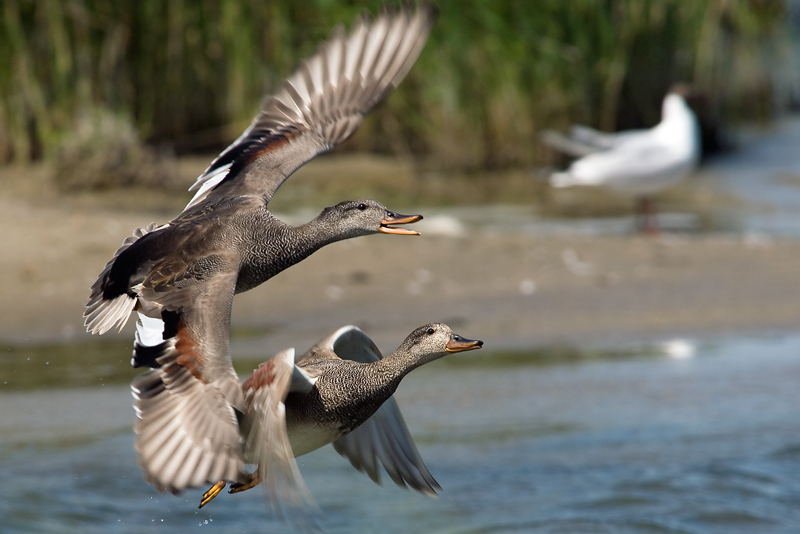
[395,218]
[460,344]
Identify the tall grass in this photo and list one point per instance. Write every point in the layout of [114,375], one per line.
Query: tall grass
[190,74]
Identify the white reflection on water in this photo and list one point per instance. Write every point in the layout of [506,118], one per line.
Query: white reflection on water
[653,444]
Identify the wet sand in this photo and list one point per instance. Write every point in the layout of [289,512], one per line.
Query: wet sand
[511,290]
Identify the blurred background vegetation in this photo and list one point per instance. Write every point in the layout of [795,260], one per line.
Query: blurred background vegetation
[128,84]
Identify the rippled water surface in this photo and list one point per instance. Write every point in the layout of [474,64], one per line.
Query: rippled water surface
[706,444]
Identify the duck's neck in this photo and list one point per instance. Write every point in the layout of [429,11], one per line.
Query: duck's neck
[401,362]
[372,384]
[349,395]
[276,246]
[320,231]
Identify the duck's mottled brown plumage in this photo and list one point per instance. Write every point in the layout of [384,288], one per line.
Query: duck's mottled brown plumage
[339,392]
[226,228]
[182,276]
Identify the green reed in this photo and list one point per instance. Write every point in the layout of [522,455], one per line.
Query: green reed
[190,74]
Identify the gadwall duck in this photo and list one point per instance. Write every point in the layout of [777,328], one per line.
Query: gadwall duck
[636,162]
[339,392]
[226,241]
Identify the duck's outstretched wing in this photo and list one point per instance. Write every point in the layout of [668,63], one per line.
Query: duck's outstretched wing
[384,437]
[266,440]
[349,342]
[187,428]
[320,105]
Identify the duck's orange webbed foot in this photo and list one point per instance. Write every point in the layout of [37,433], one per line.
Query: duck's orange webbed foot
[253,480]
[211,493]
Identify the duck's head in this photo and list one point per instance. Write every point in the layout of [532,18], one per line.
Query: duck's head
[435,340]
[353,218]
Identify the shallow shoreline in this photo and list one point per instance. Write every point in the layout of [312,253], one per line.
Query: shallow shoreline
[511,290]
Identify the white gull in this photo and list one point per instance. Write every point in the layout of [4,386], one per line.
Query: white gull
[637,162]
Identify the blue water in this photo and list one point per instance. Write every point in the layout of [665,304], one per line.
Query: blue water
[650,444]
[764,172]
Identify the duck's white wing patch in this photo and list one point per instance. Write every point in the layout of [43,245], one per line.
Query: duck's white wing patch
[385,438]
[149,330]
[320,105]
[208,181]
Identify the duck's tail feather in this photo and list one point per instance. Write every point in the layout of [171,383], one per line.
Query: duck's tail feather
[102,313]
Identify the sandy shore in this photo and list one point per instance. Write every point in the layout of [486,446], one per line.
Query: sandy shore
[509,290]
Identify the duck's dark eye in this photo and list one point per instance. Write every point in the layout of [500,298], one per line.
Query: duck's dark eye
[362,207]
[430,331]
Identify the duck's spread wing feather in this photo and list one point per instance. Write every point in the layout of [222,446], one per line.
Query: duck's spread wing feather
[384,437]
[187,434]
[266,438]
[320,105]
[187,429]
[347,343]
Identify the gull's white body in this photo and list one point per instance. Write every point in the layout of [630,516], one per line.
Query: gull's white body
[639,162]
